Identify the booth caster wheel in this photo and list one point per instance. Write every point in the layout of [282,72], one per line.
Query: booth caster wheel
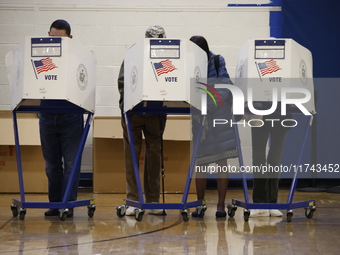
[289,215]
[90,210]
[22,213]
[14,209]
[231,210]
[185,214]
[201,211]
[139,214]
[246,214]
[121,210]
[63,214]
[309,211]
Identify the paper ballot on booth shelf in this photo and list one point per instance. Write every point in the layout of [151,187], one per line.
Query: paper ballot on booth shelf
[166,70]
[52,68]
[267,67]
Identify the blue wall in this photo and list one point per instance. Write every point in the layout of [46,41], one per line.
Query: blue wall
[315,24]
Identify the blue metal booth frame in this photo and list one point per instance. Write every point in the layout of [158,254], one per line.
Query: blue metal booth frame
[18,207]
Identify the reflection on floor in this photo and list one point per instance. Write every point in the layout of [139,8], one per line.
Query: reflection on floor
[105,233]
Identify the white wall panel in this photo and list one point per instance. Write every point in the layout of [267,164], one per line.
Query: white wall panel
[110,27]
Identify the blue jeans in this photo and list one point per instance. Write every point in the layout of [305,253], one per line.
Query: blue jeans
[60,135]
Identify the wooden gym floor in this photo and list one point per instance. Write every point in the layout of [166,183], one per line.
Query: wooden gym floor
[105,233]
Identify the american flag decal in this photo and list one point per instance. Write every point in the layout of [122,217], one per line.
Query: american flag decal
[268,67]
[163,67]
[44,65]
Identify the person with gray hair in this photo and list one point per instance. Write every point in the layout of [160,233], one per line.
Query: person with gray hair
[155,31]
[152,126]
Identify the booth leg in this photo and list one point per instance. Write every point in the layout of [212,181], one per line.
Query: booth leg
[77,161]
[294,181]
[192,161]
[18,154]
[241,163]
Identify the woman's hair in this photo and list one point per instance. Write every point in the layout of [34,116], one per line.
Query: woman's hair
[61,24]
[202,43]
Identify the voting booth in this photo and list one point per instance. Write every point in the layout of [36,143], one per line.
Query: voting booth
[52,68]
[52,75]
[271,66]
[165,70]
[275,72]
[163,76]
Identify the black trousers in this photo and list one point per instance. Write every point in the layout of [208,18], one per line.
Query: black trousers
[266,184]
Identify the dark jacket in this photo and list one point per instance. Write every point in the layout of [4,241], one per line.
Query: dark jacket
[121,87]
[220,138]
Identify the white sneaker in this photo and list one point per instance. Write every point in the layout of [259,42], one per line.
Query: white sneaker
[157,211]
[259,213]
[130,211]
[275,213]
